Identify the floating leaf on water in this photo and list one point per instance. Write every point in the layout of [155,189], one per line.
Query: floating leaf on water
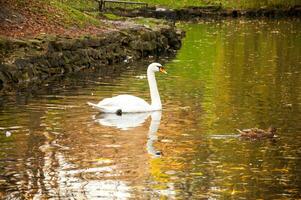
[7,133]
[197,174]
[238,168]
[281,170]
[161,187]
[170,172]
[185,108]
[55,133]
[107,136]
[138,187]
[102,160]
[15,127]
[166,141]
[112,145]
[289,105]
[2,181]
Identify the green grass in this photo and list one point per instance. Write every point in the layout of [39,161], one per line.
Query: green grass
[112,16]
[73,14]
[259,3]
[82,5]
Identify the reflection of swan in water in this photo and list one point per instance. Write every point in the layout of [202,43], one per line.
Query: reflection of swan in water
[124,121]
[132,120]
[152,136]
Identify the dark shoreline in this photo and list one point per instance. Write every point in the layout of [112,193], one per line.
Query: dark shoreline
[195,13]
[31,62]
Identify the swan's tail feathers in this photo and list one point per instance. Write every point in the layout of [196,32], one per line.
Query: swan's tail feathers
[105,109]
[92,104]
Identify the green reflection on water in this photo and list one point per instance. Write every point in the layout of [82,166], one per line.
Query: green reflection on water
[241,73]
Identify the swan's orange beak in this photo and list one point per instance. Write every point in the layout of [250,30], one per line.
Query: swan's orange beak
[163,70]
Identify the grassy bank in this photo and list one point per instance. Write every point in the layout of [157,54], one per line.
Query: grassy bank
[28,18]
[76,12]
[71,12]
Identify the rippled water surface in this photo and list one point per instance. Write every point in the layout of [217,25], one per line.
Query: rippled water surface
[228,75]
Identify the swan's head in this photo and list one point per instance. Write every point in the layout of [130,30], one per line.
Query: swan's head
[156,67]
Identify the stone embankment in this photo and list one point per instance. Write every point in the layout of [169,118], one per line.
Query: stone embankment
[32,61]
[211,12]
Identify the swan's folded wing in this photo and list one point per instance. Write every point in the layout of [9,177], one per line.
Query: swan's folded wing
[125,103]
[106,102]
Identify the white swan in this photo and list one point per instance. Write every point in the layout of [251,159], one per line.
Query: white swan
[131,104]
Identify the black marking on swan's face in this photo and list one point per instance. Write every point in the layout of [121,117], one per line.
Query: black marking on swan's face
[162,69]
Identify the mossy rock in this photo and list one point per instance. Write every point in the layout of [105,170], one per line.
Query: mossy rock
[16,43]
[149,45]
[94,53]
[35,42]
[91,42]
[3,44]
[146,36]
[136,44]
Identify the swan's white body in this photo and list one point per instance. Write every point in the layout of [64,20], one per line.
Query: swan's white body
[125,103]
[133,104]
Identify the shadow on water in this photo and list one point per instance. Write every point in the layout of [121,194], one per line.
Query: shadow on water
[229,74]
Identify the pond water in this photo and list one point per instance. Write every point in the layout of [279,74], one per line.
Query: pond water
[229,75]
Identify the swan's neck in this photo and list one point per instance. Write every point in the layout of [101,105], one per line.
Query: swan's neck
[155,97]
